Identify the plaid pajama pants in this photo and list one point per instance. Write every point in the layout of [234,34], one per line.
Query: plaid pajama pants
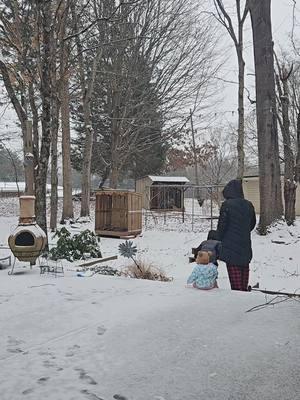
[238,277]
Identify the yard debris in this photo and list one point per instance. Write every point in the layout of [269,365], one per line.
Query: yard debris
[146,271]
[97,261]
[102,270]
[274,292]
[280,297]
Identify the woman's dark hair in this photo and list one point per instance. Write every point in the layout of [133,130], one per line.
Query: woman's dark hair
[213,235]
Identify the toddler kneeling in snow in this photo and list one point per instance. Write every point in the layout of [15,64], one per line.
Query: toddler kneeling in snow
[205,274]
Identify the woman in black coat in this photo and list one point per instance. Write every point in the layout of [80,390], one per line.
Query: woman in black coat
[236,221]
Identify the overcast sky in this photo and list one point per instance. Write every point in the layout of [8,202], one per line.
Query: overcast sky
[282,18]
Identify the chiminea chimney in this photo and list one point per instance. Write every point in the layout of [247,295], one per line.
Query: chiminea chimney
[27,210]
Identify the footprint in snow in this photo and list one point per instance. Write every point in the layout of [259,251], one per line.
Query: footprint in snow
[101,330]
[84,376]
[27,391]
[90,395]
[72,350]
[43,380]
[49,364]
[13,345]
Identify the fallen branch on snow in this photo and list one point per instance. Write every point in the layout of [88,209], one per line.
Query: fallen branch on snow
[280,297]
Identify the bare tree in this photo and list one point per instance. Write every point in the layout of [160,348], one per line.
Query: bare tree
[238,40]
[294,97]
[16,74]
[28,36]
[164,61]
[282,82]
[87,77]
[64,54]
[268,149]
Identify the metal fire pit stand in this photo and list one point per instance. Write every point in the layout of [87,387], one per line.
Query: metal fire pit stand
[11,272]
[12,268]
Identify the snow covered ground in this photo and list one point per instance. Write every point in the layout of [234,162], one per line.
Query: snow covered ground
[99,337]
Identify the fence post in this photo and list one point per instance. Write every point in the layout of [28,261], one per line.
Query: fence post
[211,208]
[193,208]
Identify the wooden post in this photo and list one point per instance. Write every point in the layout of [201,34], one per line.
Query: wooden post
[182,203]
[29,160]
[193,209]
[211,208]
[194,152]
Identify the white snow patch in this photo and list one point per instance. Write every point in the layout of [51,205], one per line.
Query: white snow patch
[97,337]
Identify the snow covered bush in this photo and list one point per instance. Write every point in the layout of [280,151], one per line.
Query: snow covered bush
[75,247]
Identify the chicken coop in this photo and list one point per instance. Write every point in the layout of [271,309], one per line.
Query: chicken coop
[162,192]
[118,213]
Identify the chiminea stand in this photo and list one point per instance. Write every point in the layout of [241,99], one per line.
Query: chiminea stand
[13,267]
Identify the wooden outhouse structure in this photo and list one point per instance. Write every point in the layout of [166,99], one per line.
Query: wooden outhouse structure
[162,192]
[118,213]
[251,190]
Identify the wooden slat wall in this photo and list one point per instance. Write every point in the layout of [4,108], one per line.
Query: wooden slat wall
[119,212]
[134,212]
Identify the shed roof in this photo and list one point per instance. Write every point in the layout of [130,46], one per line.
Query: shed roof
[181,179]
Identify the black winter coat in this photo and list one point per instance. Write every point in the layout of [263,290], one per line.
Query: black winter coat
[236,221]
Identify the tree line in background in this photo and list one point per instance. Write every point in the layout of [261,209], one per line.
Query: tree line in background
[128,78]
[121,73]
[276,104]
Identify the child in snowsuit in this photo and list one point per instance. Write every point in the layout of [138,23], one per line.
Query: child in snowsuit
[205,274]
[212,244]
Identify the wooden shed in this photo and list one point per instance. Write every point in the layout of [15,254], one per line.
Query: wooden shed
[251,191]
[118,213]
[162,192]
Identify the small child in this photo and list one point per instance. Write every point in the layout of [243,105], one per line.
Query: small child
[205,274]
[212,244]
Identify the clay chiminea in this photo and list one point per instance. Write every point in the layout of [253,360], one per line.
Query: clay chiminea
[28,240]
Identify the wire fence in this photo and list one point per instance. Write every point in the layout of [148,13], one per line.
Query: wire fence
[188,207]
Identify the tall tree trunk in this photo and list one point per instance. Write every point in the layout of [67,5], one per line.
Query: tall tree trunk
[35,127]
[67,212]
[54,182]
[86,172]
[238,39]
[54,163]
[271,208]
[115,134]
[241,119]
[41,180]
[29,161]
[55,107]
[113,179]
[200,201]
[297,166]
[87,87]
[289,184]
